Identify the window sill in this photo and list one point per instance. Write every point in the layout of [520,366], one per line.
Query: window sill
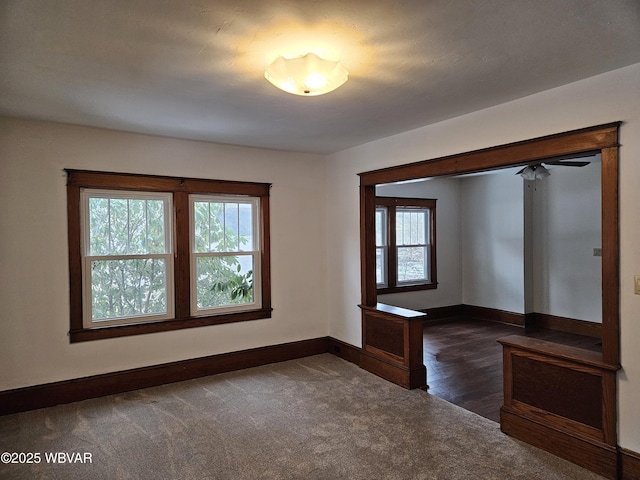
[99,333]
[407,288]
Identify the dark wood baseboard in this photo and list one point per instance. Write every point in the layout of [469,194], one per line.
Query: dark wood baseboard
[494,315]
[47,395]
[586,452]
[540,320]
[629,464]
[344,350]
[442,314]
[406,377]
[564,324]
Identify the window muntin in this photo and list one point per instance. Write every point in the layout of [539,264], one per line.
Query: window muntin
[127,257]
[225,254]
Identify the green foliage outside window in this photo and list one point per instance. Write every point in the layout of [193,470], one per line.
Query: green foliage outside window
[223,280]
[134,286]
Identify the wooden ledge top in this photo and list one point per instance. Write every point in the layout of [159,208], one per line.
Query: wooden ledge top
[395,311]
[556,350]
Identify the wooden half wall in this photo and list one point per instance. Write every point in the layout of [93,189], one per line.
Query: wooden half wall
[561,399]
[392,344]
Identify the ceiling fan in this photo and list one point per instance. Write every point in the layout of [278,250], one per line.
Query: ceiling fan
[537,171]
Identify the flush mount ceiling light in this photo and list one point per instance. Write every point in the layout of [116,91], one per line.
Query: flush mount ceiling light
[307,76]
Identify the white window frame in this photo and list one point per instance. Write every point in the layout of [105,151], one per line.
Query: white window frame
[426,246]
[393,207]
[254,252]
[85,195]
[384,247]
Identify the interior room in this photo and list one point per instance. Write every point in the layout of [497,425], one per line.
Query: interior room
[190,277]
[517,246]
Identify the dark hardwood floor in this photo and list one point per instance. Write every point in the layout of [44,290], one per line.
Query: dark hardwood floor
[464,360]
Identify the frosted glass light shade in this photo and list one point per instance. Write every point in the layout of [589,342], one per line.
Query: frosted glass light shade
[307,76]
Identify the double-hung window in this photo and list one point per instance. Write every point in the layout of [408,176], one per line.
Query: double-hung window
[151,253]
[225,254]
[128,257]
[405,244]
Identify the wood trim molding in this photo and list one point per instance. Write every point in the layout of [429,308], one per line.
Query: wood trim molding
[368,284]
[443,314]
[391,204]
[540,320]
[557,351]
[629,464]
[81,335]
[494,315]
[610,256]
[67,391]
[345,351]
[585,140]
[180,188]
[564,324]
[590,454]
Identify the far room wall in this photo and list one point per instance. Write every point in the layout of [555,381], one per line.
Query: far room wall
[566,228]
[492,247]
[449,292]
[482,242]
[34,273]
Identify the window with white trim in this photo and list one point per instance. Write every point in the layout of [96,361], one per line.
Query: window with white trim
[151,253]
[225,254]
[127,257]
[381,246]
[405,244]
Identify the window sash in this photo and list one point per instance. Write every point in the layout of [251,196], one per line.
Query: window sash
[405,228]
[256,301]
[88,260]
[406,279]
[381,266]
[90,322]
[87,194]
[381,227]
[251,250]
[178,189]
[414,226]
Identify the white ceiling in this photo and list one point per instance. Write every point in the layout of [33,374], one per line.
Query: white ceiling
[194,68]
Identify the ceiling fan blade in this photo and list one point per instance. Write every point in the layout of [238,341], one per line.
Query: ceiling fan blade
[568,163]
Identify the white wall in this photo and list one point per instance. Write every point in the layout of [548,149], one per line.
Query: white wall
[567,226]
[34,294]
[315,248]
[605,98]
[492,212]
[482,240]
[449,269]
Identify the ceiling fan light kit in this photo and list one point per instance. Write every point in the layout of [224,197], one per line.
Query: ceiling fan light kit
[539,171]
[534,172]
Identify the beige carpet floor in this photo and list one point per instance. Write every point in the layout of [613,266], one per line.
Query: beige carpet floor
[314,418]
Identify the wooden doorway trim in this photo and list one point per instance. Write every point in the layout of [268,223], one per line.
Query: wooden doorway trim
[601,139]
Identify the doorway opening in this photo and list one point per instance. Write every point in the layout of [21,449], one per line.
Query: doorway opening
[517,255]
[559,398]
